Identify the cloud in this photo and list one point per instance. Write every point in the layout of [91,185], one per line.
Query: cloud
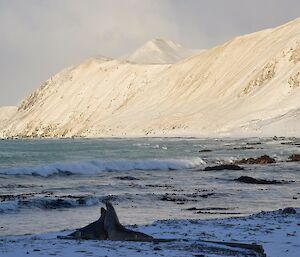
[40,37]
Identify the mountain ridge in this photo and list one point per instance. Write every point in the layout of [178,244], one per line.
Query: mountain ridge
[159,51]
[239,88]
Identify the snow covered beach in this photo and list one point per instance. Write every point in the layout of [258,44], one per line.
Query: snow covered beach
[278,234]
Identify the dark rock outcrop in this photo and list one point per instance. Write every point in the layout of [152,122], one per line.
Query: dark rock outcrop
[244,148]
[224,167]
[264,159]
[289,210]
[126,178]
[182,198]
[294,158]
[250,180]
[205,151]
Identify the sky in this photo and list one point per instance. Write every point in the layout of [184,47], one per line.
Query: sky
[38,38]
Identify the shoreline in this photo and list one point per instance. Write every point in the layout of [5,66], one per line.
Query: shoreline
[216,137]
[278,233]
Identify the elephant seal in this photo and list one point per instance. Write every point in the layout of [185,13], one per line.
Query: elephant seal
[117,232]
[93,231]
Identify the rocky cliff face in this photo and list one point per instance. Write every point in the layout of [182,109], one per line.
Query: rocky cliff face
[247,86]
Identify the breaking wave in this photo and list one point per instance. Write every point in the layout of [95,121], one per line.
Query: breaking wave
[95,167]
[47,203]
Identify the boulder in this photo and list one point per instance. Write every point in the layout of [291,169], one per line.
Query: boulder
[250,180]
[264,159]
[294,158]
[289,210]
[224,167]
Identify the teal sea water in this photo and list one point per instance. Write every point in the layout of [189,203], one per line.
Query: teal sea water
[49,185]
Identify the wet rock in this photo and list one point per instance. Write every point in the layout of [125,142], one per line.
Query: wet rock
[264,159]
[294,158]
[224,167]
[219,213]
[287,143]
[192,209]
[126,178]
[205,151]
[159,186]
[244,148]
[213,210]
[254,143]
[289,210]
[194,197]
[9,197]
[250,180]
[208,209]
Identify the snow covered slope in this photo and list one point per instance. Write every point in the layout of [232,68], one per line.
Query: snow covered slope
[247,86]
[6,112]
[159,51]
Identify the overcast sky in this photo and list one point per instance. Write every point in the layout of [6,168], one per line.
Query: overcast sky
[40,37]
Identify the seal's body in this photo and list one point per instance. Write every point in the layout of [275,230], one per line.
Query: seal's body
[117,232]
[94,230]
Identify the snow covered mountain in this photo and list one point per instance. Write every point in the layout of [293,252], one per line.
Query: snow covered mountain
[159,51]
[247,86]
[6,113]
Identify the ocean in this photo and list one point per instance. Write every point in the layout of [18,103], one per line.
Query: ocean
[51,185]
